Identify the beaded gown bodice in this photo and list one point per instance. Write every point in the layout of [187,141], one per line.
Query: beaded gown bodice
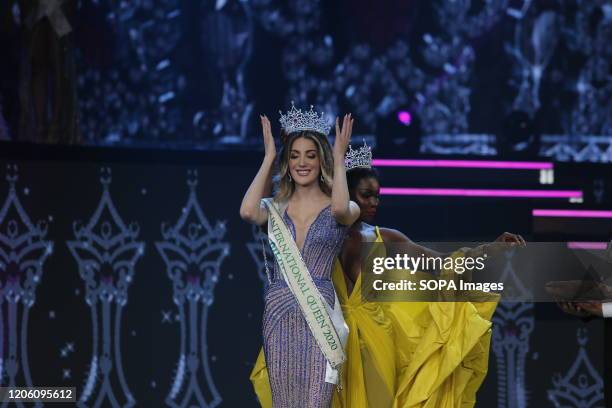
[296,365]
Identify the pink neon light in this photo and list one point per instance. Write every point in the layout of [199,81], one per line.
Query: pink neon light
[472,164]
[572,213]
[464,192]
[587,245]
[404,117]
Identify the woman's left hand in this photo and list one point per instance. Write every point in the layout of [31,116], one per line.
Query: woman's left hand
[508,237]
[503,243]
[343,136]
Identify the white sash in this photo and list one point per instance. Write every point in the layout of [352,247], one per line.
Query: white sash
[327,326]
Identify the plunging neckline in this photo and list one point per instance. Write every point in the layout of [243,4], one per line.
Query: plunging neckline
[309,227]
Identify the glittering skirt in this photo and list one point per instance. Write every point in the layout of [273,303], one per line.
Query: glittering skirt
[296,365]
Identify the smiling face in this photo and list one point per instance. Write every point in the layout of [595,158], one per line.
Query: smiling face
[304,162]
[367,195]
[305,158]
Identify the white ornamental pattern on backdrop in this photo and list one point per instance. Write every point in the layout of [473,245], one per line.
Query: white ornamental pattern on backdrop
[582,385]
[106,251]
[193,251]
[23,251]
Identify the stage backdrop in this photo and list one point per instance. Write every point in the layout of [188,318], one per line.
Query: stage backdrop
[130,275]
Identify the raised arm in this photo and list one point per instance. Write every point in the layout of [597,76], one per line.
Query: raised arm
[405,245]
[344,211]
[251,209]
[502,243]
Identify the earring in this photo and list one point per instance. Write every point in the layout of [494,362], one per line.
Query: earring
[322,179]
[289,175]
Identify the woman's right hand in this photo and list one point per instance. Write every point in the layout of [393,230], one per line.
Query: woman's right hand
[269,147]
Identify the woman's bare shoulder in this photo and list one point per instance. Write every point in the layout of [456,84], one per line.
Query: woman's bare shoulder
[367,232]
[392,235]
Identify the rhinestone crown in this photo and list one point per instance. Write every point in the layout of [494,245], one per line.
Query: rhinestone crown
[295,120]
[361,157]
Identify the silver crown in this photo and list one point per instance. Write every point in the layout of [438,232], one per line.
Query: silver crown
[361,157]
[295,120]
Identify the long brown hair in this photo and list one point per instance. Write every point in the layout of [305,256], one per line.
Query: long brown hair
[285,187]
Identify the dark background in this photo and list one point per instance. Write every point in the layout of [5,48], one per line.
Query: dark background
[196,74]
[155,89]
[64,183]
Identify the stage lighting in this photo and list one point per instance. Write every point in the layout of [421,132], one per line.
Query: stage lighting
[404,117]
[398,131]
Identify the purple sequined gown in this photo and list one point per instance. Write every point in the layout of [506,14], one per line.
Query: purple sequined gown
[296,365]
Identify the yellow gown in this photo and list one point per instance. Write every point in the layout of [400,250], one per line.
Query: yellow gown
[442,351]
[369,373]
[405,354]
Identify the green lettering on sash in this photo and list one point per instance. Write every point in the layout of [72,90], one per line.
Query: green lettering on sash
[298,278]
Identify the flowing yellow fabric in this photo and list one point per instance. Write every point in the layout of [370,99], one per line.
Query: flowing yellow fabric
[261,381]
[405,354]
[443,349]
[369,374]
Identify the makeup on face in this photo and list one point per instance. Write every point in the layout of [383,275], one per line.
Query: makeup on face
[367,196]
[304,163]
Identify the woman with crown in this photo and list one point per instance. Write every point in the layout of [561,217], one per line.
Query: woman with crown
[307,219]
[401,354]
[440,349]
